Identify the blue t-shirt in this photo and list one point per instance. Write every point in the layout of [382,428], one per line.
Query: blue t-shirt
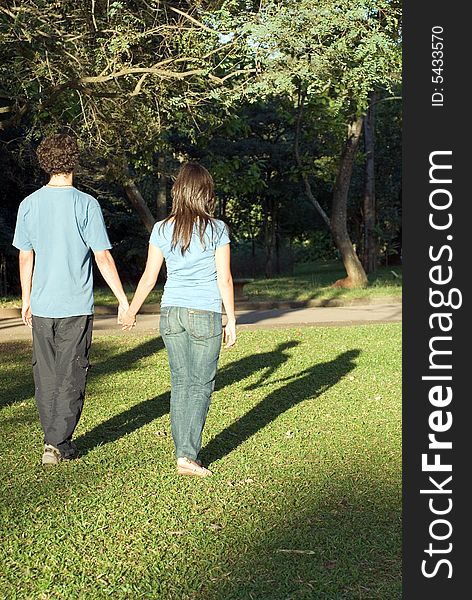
[62,225]
[191,277]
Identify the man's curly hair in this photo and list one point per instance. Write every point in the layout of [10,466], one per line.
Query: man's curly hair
[58,153]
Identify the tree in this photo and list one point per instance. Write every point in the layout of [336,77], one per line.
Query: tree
[114,73]
[342,50]
[251,157]
[269,96]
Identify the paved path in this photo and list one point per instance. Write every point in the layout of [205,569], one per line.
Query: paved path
[13,328]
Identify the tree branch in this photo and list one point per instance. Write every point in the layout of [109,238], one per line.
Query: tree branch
[190,18]
[136,71]
[306,181]
[221,80]
[385,100]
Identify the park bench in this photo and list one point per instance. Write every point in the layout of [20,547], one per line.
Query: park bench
[238,285]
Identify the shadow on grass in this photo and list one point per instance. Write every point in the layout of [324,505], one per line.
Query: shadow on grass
[308,384]
[143,413]
[104,364]
[16,384]
[342,543]
[314,282]
[124,423]
[241,369]
[135,417]
[17,379]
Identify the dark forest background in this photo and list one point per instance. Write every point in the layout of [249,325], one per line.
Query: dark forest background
[294,108]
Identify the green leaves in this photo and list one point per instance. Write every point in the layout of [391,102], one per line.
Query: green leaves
[115,8]
[342,48]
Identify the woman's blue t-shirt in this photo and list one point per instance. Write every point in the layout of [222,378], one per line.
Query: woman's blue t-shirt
[191,277]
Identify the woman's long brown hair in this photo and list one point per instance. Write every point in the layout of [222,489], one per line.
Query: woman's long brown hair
[193,201]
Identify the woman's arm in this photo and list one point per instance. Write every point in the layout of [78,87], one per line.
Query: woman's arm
[145,285]
[225,285]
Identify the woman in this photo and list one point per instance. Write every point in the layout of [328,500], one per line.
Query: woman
[196,249]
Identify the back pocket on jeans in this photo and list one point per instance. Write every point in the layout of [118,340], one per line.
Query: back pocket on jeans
[169,321]
[201,323]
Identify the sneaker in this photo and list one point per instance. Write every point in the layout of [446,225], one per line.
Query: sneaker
[51,455]
[70,451]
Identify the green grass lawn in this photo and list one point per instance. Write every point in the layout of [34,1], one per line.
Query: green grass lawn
[313,281]
[310,281]
[103,297]
[304,438]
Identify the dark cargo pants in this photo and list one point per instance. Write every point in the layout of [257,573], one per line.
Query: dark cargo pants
[60,364]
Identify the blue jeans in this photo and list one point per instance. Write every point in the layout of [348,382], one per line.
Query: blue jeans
[193,341]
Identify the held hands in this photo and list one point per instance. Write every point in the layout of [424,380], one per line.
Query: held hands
[128,321]
[26,315]
[125,319]
[229,334]
[122,309]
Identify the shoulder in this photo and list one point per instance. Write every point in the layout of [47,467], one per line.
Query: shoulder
[31,198]
[217,224]
[161,227]
[221,227]
[25,205]
[160,232]
[87,200]
[220,233]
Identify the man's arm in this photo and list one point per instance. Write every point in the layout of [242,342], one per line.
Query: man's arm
[107,268]
[26,259]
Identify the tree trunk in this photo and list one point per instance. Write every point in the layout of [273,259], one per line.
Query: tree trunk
[278,265]
[137,201]
[3,275]
[161,204]
[356,276]
[161,199]
[370,249]
[269,241]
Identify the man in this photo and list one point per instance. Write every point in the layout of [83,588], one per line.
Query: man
[57,229]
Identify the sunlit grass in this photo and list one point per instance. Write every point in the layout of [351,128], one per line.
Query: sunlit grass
[311,281]
[314,281]
[304,438]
